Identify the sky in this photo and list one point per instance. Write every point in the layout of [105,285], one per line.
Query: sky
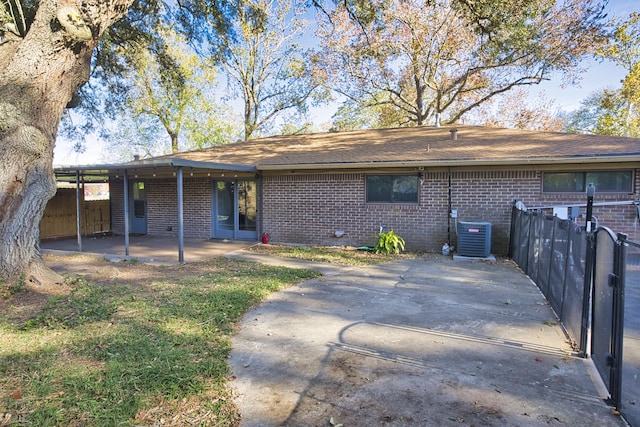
[598,75]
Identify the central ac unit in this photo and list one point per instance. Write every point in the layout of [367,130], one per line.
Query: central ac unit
[474,239]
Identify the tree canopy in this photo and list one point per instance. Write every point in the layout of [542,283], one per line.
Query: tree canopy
[442,58]
[149,84]
[46,55]
[517,109]
[614,111]
[163,100]
[266,64]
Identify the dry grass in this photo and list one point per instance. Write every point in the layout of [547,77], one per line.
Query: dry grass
[339,255]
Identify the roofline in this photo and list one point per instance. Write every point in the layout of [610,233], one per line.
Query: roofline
[177,162]
[149,164]
[447,163]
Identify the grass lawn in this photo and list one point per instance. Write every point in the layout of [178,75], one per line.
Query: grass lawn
[146,346]
[334,255]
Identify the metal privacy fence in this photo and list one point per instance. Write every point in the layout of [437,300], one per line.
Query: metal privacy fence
[552,252]
[583,276]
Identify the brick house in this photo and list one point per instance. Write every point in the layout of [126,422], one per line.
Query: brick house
[339,188]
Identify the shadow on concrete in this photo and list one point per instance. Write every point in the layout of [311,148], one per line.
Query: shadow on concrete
[416,342]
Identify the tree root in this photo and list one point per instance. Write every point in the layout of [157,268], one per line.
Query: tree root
[41,278]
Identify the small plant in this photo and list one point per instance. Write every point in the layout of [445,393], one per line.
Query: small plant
[389,243]
[7,290]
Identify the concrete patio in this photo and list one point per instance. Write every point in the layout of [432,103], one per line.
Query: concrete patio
[163,250]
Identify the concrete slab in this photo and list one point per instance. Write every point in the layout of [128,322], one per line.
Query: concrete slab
[153,249]
[490,258]
[416,342]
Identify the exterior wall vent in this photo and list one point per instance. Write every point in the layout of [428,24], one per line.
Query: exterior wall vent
[474,239]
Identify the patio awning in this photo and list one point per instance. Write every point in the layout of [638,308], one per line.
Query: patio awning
[150,168]
[146,169]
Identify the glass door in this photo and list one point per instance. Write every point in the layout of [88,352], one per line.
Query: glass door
[247,209]
[235,209]
[138,208]
[224,226]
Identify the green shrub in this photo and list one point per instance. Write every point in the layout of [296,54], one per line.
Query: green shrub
[389,243]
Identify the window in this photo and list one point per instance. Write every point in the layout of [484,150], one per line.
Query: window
[604,181]
[392,189]
[139,199]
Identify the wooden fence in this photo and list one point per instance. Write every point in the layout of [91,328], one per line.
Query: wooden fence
[60,218]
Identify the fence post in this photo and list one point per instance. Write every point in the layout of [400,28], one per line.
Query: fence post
[512,231]
[588,271]
[553,246]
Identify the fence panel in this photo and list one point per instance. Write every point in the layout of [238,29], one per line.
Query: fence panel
[552,253]
[535,231]
[608,310]
[519,243]
[97,217]
[571,315]
[558,264]
[571,271]
[602,325]
[60,218]
[545,253]
[631,337]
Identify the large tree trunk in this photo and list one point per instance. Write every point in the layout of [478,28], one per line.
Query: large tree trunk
[39,73]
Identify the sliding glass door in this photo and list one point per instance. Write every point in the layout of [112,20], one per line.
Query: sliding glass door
[234,209]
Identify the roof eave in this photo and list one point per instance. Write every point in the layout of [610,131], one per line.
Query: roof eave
[452,163]
[149,164]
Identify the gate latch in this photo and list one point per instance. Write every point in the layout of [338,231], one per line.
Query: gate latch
[613,280]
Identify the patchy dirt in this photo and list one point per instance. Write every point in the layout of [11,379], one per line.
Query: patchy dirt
[30,300]
[160,410]
[353,390]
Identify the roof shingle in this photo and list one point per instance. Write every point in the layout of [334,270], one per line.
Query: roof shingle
[419,145]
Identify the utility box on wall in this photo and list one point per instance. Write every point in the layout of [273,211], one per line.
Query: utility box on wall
[474,239]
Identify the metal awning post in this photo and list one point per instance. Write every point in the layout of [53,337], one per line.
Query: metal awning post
[78,211]
[126,213]
[180,217]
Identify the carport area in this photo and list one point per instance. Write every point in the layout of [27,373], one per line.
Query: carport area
[146,248]
[417,342]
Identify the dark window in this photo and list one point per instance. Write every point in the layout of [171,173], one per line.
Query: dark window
[139,199]
[392,189]
[605,181]
[138,208]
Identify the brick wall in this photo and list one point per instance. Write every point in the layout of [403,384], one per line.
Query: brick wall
[337,202]
[162,207]
[309,208]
